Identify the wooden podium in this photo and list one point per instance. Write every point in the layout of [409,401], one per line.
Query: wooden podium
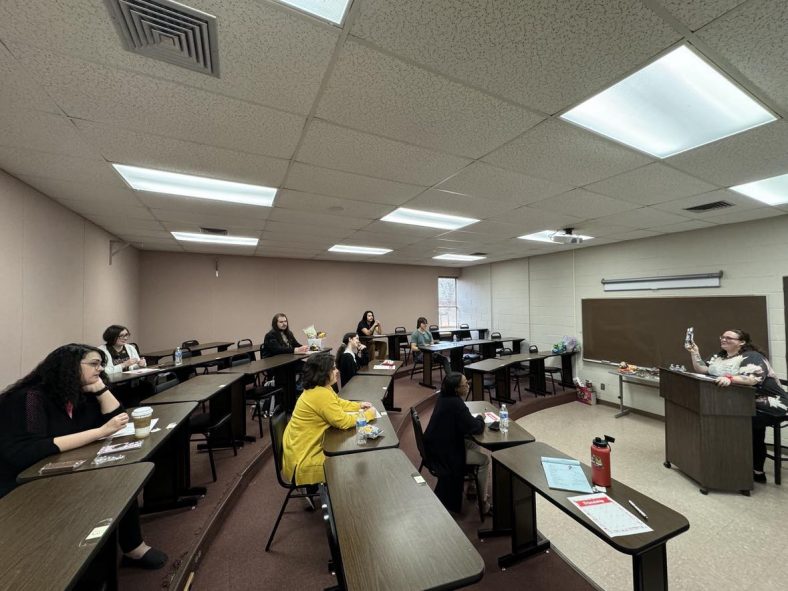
[708,431]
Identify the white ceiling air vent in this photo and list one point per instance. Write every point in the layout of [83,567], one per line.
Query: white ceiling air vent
[169,32]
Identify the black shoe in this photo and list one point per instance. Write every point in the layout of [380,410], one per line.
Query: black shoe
[759,477]
[152,559]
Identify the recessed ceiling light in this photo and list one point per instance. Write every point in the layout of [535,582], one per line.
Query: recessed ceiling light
[330,10]
[187,185]
[458,257]
[208,239]
[677,103]
[547,236]
[772,191]
[430,219]
[344,248]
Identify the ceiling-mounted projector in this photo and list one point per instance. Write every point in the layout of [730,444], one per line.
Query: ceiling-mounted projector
[566,237]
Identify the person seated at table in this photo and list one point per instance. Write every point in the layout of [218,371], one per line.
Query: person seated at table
[62,405]
[120,354]
[367,327]
[316,410]
[448,446]
[351,355]
[422,337]
[280,340]
[742,363]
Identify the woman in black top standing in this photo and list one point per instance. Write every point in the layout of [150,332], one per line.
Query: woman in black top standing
[350,356]
[447,444]
[280,340]
[61,405]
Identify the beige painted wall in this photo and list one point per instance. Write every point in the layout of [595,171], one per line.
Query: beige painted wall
[543,297]
[181,297]
[56,284]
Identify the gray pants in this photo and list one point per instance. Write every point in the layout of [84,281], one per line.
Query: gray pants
[475,455]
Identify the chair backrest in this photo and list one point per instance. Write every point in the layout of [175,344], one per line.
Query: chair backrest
[277,422]
[419,435]
[186,353]
[244,343]
[401,330]
[333,539]
[506,351]
[533,349]
[465,325]
[495,335]
[187,344]
[242,359]
[164,381]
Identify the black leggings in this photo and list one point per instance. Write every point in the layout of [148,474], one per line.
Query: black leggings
[129,531]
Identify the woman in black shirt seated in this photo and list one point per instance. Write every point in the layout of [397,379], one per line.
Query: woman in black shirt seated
[350,356]
[280,340]
[447,444]
[61,405]
[367,327]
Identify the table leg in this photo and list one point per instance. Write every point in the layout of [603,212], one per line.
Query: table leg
[536,380]
[388,399]
[567,374]
[516,346]
[503,386]
[526,540]
[501,497]
[455,359]
[477,386]
[393,341]
[650,570]
[169,487]
[621,410]
[426,370]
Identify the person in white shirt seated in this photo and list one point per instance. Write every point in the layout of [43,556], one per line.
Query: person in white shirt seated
[121,355]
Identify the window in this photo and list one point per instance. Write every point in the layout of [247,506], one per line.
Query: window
[447,302]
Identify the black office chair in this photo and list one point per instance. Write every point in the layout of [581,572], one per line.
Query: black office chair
[549,370]
[496,336]
[335,564]
[277,422]
[404,345]
[210,430]
[164,381]
[778,450]
[471,470]
[256,396]
[247,343]
[420,364]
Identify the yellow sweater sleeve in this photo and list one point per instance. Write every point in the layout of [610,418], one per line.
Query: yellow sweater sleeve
[335,414]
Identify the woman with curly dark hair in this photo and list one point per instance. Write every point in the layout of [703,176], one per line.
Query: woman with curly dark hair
[61,405]
[317,409]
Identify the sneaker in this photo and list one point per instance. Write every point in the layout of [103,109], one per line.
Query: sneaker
[152,559]
[310,504]
[759,477]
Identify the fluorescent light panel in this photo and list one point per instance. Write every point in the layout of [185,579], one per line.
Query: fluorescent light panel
[429,219]
[772,191]
[458,257]
[330,10]
[187,185]
[544,236]
[211,239]
[675,104]
[347,249]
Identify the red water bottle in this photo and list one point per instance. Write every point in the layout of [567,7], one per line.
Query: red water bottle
[600,460]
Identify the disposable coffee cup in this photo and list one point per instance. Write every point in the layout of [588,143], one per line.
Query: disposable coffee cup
[141,418]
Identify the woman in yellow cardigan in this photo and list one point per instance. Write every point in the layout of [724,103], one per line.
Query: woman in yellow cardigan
[317,409]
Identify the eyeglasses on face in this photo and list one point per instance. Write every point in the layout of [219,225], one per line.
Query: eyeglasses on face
[124,335]
[95,364]
[727,338]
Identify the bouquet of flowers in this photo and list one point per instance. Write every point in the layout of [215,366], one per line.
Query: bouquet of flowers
[314,338]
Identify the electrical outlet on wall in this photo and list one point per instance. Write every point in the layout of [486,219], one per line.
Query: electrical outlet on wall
[602,387]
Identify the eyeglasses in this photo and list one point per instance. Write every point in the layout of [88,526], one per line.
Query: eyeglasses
[727,338]
[124,335]
[97,364]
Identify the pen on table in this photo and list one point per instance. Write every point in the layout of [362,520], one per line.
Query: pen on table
[638,509]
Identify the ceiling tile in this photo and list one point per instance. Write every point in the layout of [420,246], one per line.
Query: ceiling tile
[654,183]
[489,182]
[75,191]
[680,227]
[566,154]
[45,132]
[23,162]
[366,238]
[496,229]
[345,185]
[462,205]
[208,219]
[643,218]
[752,38]
[91,209]
[98,93]
[311,202]
[737,200]
[266,54]
[542,54]
[309,219]
[251,229]
[124,146]
[18,90]
[174,204]
[750,156]
[699,12]
[630,235]
[331,146]
[530,219]
[304,231]
[378,93]
[747,215]
[404,230]
[583,204]
[130,225]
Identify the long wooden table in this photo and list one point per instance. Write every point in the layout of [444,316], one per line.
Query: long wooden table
[225,392]
[44,526]
[369,370]
[167,448]
[481,332]
[455,351]
[393,532]
[196,350]
[494,440]
[500,368]
[337,442]
[521,468]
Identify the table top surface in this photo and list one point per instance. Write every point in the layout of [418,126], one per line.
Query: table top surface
[43,524]
[525,462]
[636,378]
[455,329]
[166,413]
[496,363]
[369,370]
[393,532]
[197,389]
[495,439]
[337,442]
[267,363]
[444,345]
[200,347]
[366,387]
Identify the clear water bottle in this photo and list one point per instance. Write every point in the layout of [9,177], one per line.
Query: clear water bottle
[178,356]
[361,422]
[454,337]
[503,415]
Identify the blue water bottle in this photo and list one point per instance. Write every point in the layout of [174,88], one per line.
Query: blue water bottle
[178,356]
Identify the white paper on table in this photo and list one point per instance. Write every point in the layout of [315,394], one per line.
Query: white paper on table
[141,370]
[383,366]
[129,429]
[613,519]
[490,417]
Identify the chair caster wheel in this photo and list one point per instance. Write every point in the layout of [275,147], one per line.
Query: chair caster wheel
[704,491]
[667,464]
